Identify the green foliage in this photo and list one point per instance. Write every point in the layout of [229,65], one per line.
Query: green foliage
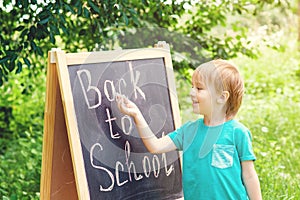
[208,15]
[21,135]
[20,168]
[31,28]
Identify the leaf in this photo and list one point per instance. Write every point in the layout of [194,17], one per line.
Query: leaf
[11,66]
[25,44]
[52,38]
[25,4]
[135,20]
[86,13]
[19,69]
[33,45]
[19,28]
[14,57]
[63,19]
[39,51]
[95,8]
[4,59]
[54,29]
[65,30]
[132,11]
[24,32]
[27,62]
[69,8]
[125,19]
[79,10]
[32,32]
[1,78]
[44,14]
[44,21]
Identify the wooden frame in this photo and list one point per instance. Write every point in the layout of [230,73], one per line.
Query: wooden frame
[60,119]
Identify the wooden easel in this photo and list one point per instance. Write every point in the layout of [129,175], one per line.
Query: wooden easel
[61,176]
[57,176]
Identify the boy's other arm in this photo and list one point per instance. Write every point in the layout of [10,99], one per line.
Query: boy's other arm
[152,143]
[251,180]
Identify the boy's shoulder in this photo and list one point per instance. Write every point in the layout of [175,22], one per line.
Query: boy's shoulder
[238,125]
[240,129]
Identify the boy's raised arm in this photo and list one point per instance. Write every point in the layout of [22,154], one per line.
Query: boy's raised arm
[152,143]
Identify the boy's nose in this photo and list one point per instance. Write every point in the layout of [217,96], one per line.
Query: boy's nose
[192,92]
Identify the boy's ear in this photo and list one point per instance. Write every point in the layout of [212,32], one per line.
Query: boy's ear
[223,97]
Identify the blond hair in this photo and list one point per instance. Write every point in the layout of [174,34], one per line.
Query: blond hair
[225,77]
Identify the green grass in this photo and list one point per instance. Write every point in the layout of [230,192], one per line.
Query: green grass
[270,109]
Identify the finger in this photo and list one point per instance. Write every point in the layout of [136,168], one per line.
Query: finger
[125,99]
[119,101]
[118,97]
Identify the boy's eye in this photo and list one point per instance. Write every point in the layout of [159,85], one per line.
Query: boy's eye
[197,88]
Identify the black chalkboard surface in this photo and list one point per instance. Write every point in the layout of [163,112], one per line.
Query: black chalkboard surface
[117,164]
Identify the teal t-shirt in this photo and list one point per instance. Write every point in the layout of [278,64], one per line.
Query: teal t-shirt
[211,159]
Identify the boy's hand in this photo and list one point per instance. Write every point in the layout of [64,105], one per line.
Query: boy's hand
[152,143]
[126,106]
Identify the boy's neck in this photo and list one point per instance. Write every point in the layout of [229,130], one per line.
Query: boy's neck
[215,121]
[217,117]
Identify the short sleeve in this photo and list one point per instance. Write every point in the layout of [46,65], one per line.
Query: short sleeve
[177,137]
[243,142]
[183,136]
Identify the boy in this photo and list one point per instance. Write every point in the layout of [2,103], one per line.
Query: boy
[217,151]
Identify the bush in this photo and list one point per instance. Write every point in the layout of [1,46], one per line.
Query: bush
[21,136]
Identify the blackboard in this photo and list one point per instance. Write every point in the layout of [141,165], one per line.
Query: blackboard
[108,157]
[110,137]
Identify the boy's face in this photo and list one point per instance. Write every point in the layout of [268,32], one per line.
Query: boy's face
[203,96]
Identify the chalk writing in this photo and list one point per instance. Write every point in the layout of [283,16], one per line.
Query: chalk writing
[109,120]
[109,87]
[129,166]
[126,123]
[117,164]
[134,81]
[89,88]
